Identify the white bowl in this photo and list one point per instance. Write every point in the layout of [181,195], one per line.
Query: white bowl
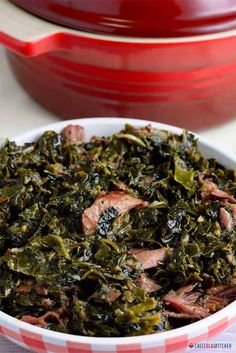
[45,341]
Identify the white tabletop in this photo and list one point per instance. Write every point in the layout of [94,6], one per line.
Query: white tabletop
[18,112]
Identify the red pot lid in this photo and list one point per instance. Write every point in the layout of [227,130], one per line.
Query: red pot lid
[141,18]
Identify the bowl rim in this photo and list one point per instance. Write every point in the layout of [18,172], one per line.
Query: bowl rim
[198,326]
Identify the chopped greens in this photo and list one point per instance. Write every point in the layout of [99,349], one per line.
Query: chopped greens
[124,235]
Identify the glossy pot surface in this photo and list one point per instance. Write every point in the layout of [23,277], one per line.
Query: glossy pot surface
[188,82]
[142,18]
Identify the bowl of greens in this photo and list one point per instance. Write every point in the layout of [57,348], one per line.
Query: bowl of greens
[117,235]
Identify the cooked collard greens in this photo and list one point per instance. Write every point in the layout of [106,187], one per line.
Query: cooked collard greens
[124,235]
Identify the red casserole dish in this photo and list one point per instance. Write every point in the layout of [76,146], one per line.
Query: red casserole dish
[188,81]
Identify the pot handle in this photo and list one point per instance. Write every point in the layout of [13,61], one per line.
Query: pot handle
[26,34]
